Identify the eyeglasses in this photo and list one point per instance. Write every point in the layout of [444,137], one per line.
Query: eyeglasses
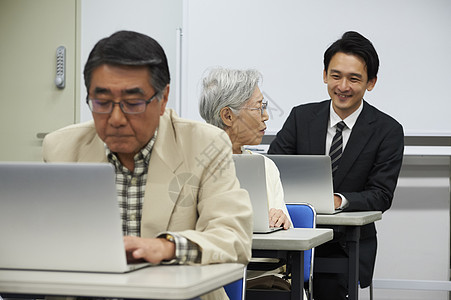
[261,109]
[128,106]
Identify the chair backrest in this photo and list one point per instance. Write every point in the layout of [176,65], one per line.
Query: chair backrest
[234,290]
[303,215]
[237,290]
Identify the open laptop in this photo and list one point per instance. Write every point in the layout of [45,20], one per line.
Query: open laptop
[250,170]
[60,216]
[307,178]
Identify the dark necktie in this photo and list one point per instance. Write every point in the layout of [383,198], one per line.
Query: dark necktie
[336,148]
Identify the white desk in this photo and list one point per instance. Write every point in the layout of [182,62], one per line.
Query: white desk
[352,221]
[294,239]
[289,244]
[358,218]
[158,282]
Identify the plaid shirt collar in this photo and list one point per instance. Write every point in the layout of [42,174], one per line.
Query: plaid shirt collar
[141,158]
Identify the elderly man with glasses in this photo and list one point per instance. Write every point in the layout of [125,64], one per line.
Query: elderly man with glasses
[179,199]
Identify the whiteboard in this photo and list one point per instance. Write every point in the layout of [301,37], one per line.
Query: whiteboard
[286,40]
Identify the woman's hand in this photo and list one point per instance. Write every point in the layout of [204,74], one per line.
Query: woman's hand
[277,218]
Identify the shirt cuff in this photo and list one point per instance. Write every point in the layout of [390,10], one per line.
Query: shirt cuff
[344,202]
[186,251]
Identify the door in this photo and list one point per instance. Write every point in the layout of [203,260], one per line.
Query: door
[31,104]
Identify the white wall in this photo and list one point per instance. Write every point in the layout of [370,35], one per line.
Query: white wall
[414,234]
[286,40]
[156,18]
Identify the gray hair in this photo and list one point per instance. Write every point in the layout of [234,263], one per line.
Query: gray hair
[226,88]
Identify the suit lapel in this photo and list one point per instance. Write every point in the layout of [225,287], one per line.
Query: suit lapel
[361,133]
[94,151]
[162,188]
[317,129]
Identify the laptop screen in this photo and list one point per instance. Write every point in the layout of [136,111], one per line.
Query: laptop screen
[60,216]
[307,178]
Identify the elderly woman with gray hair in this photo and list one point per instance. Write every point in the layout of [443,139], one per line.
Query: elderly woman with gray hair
[232,100]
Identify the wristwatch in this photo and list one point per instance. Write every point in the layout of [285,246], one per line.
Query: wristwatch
[170,237]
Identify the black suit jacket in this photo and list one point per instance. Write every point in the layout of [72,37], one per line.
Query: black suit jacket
[369,167]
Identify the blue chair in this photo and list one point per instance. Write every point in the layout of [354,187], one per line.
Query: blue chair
[303,215]
[237,289]
[234,290]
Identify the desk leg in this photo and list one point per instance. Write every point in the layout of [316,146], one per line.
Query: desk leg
[297,275]
[352,240]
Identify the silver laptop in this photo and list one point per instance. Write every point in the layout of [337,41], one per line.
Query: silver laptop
[60,216]
[307,178]
[250,170]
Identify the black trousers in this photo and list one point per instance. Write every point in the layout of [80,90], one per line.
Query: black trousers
[330,286]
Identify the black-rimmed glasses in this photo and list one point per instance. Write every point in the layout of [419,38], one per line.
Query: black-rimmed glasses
[128,106]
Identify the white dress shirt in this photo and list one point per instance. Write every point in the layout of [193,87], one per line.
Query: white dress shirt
[350,121]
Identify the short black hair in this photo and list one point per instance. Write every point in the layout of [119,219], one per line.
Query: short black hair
[129,48]
[356,44]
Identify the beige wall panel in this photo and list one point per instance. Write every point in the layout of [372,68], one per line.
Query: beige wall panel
[30,102]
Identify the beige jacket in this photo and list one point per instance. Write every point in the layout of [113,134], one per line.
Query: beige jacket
[191,185]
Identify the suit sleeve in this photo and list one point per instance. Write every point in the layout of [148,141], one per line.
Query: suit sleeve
[381,182]
[285,141]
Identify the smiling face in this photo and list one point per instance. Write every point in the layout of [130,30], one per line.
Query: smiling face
[126,134]
[347,81]
[248,126]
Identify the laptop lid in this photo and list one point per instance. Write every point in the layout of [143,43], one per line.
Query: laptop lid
[60,216]
[250,170]
[307,178]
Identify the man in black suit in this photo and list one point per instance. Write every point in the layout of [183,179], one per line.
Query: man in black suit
[371,144]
